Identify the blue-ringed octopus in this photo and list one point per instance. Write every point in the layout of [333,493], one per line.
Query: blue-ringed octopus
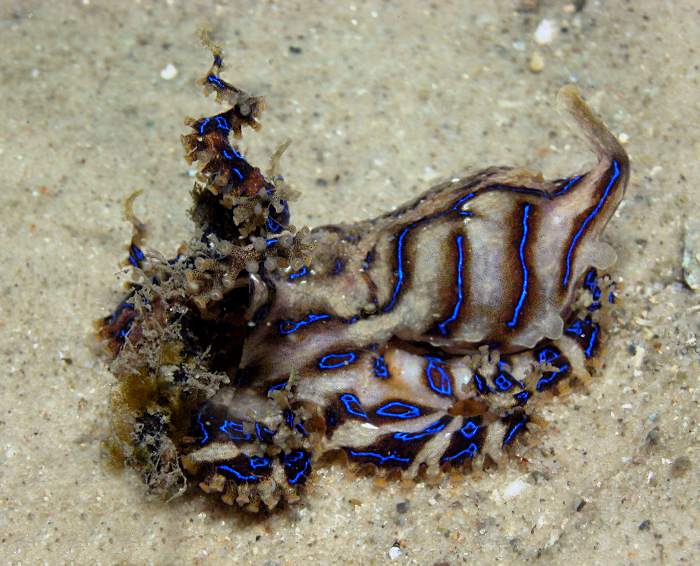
[414,343]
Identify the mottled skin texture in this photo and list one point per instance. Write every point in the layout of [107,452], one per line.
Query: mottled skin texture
[394,333]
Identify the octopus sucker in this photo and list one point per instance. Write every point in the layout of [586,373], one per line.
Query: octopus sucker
[415,344]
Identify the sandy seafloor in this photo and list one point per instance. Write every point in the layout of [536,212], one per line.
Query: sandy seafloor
[380,99]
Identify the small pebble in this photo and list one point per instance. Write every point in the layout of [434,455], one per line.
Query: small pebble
[402,507]
[528,5]
[690,258]
[168,72]
[546,32]
[515,488]
[394,552]
[536,62]
[680,466]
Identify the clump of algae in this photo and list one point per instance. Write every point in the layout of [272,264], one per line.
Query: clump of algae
[177,336]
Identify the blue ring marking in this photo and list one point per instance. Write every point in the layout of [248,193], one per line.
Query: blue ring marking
[258,462]
[521,252]
[216,81]
[470,451]
[460,292]
[597,293]
[338,267]
[297,274]
[291,326]
[576,328]
[382,459]
[237,172]
[285,209]
[136,256]
[570,183]
[205,438]
[334,361]
[547,356]
[273,226]
[481,385]
[588,352]
[277,387]
[590,281]
[469,429]
[290,418]
[437,426]
[218,61]
[263,433]
[367,262]
[202,126]
[380,368]
[271,242]
[574,241]
[518,190]
[513,430]
[222,123]
[228,156]
[353,405]
[503,382]
[399,268]
[124,332]
[551,377]
[239,475]
[594,306]
[444,386]
[235,431]
[611,297]
[409,411]
[292,458]
[400,275]
[456,206]
[523,396]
